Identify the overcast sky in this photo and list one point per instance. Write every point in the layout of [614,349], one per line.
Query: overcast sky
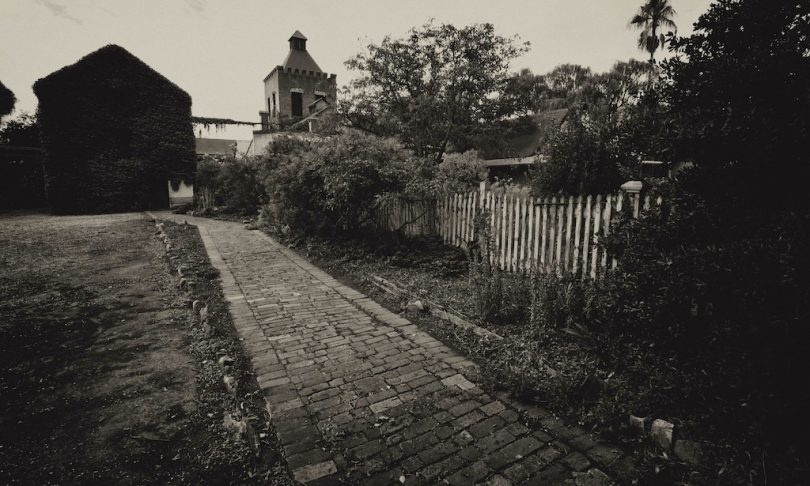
[220,50]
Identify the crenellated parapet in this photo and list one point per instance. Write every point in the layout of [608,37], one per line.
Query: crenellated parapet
[300,72]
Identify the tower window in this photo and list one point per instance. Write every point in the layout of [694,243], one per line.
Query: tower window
[274,104]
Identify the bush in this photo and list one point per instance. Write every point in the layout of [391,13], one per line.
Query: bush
[241,185]
[234,185]
[206,183]
[331,186]
[455,173]
[711,298]
[580,160]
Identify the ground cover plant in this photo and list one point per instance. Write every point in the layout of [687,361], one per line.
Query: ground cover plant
[106,376]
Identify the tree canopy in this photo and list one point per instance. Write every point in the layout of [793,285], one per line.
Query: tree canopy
[610,127]
[739,93]
[21,131]
[7,100]
[436,88]
[566,79]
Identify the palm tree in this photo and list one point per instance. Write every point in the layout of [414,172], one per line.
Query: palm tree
[651,17]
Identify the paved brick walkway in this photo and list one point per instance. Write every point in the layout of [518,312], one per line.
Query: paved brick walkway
[359,395]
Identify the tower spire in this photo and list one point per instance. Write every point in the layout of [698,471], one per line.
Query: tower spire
[298,41]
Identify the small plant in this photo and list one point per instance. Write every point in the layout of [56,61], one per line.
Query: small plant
[501,298]
[557,300]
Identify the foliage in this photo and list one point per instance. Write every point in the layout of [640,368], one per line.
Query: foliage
[21,181]
[525,90]
[117,111]
[455,173]
[432,87]
[558,302]
[241,184]
[651,17]
[21,131]
[206,183]
[500,299]
[579,161]
[611,125]
[218,123]
[719,293]
[739,93]
[329,122]
[7,100]
[330,186]
[565,80]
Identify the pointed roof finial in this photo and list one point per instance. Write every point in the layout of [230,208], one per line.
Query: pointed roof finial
[297,35]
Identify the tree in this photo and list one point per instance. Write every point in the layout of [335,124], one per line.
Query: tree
[434,88]
[723,263]
[565,80]
[651,17]
[21,131]
[610,126]
[7,100]
[739,94]
[525,91]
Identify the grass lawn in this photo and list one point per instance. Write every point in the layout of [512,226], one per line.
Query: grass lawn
[105,376]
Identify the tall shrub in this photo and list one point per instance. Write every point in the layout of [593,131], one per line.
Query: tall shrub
[457,172]
[333,185]
[241,185]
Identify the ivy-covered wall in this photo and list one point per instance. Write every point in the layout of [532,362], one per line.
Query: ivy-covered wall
[113,132]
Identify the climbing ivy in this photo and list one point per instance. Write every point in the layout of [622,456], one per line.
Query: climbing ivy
[113,131]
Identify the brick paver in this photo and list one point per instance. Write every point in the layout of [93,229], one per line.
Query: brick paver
[361,395]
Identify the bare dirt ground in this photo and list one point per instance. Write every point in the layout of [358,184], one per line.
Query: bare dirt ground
[102,378]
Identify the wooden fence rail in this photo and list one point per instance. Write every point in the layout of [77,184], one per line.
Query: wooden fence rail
[556,233]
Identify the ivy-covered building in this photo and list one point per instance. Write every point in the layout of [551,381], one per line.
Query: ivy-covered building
[114,132]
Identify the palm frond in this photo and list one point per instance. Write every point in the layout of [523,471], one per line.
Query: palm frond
[638,19]
[642,40]
[668,23]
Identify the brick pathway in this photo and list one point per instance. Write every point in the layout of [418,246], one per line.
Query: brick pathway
[359,395]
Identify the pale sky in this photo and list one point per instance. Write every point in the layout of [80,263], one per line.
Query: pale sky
[219,51]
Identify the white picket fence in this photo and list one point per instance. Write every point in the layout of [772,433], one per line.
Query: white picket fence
[553,233]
